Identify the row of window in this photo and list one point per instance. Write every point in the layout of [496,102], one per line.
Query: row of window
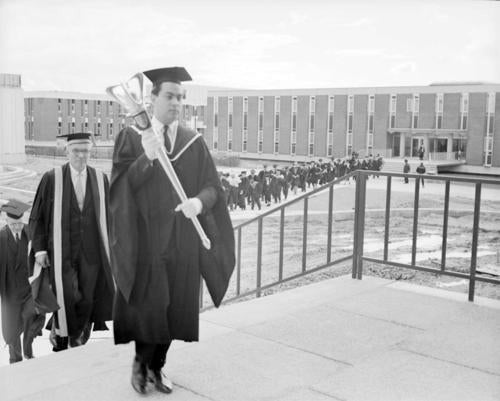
[84,127]
[71,106]
[413,106]
[187,111]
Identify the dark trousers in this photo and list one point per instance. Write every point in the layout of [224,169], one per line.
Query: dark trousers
[79,304]
[152,355]
[31,324]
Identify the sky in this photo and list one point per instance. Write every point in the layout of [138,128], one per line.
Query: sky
[88,45]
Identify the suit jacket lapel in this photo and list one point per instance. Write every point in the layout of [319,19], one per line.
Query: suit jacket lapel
[12,243]
[92,180]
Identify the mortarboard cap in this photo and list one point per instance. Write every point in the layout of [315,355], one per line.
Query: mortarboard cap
[170,74]
[77,136]
[14,208]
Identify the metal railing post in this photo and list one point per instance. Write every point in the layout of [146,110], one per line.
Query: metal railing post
[415,222]
[355,228]
[304,236]
[475,235]
[387,217]
[330,220]
[445,224]
[238,264]
[282,235]
[362,178]
[359,225]
[259,258]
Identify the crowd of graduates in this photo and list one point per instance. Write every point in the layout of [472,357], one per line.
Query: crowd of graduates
[255,188]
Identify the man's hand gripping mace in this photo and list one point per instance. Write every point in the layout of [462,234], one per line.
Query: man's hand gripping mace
[129,95]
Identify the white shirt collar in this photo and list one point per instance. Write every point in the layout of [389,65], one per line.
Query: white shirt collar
[15,232]
[172,130]
[74,178]
[75,172]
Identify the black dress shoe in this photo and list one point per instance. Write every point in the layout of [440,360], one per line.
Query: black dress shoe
[139,377]
[160,381]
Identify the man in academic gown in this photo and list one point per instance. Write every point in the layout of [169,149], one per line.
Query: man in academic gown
[156,253]
[68,225]
[18,308]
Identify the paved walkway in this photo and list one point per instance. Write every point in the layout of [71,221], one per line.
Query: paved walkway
[340,339]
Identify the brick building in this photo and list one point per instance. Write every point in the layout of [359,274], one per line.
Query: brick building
[447,120]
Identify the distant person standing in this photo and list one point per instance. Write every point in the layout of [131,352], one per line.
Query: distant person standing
[421,153]
[18,308]
[421,170]
[406,170]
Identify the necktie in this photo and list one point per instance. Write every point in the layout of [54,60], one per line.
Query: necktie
[168,145]
[18,243]
[79,190]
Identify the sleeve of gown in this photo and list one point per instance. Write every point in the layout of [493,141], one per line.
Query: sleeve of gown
[129,157]
[38,218]
[3,254]
[211,188]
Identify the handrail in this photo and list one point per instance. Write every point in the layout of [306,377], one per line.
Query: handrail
[357,255]
[359,238]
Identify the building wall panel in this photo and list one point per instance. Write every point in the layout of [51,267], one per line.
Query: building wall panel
[321,126]
[381,122]
[451,111]
[339,126]
[253,117]
[285,124]
[302,125]
[427,111]
[360,124]
[237,123]
[268,140]
[476,128]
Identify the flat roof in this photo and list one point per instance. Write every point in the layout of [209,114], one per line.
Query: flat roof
[66,95]
[196,95]
[442,88]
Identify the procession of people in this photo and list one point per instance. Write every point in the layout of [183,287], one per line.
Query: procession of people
[253,189]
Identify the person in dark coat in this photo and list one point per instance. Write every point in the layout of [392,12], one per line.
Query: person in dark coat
[421,170]
[406,170]
[68,227]
[19,315]
[421,153]
[157,254]
[243,190]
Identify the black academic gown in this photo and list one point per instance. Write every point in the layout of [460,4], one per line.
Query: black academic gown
[14,286]
[41,230]
[157,256]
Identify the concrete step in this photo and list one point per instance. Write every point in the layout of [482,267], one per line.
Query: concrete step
[340,339]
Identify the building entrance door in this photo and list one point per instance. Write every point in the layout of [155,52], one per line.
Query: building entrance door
[416,143]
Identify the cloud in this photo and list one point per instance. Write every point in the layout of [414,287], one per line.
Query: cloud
[364,52]
[362,22]
[296,17]
[408,67]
